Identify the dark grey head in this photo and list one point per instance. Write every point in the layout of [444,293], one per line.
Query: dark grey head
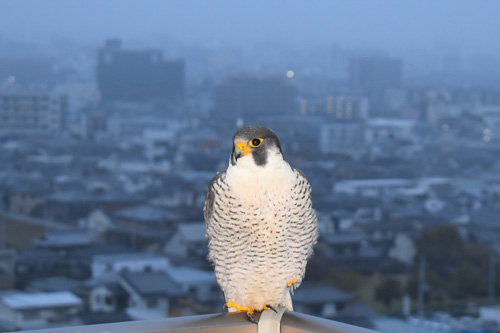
[256,141]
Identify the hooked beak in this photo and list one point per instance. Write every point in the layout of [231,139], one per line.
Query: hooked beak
[240,149]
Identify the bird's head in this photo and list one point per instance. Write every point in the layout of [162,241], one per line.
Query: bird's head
[255,145]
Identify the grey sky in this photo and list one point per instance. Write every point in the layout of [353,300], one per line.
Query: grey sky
[472,25]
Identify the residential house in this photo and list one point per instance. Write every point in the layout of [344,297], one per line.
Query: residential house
[98,222]
[323,301]
[188,244]
[132,262]
[108,297]
[25,311]
[69,206]
[199,284]
[143,227]
[64,239]
[351,249]
[332,303]
[74,205]
[24,195]
[152,295]
[35,264]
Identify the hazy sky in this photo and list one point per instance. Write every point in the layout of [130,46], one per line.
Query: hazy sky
[472,25]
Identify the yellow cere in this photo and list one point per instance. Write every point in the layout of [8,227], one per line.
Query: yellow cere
[243,148]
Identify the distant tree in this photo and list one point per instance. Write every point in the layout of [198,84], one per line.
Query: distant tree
[346,279]
[443,248]
[468,281]
[388,290]
[456,268]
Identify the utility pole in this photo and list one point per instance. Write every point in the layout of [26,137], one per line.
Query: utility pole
[3,229]
[491,276]
[421,285]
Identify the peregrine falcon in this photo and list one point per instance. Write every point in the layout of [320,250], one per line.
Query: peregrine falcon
[260,224]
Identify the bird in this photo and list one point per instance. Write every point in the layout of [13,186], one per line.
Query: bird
[260,224]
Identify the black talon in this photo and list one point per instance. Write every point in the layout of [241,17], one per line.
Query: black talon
[270,307]
[224,306]
[251,318]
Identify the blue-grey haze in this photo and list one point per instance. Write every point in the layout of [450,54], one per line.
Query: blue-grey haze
[471,26]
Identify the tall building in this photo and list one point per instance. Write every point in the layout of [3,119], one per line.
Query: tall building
[380,79]
[248,97]
[139,75]
[375,73]
[36,113]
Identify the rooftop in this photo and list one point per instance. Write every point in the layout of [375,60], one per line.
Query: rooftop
[153,284]
[22,300]
[146,213]
[113,258]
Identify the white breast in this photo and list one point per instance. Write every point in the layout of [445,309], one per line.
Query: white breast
[253,184]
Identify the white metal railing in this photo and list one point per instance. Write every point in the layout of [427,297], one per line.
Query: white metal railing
[289,322]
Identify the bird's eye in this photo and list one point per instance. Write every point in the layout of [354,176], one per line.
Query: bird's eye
[255,142]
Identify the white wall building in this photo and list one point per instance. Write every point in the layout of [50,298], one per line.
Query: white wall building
[26,113]
[491,116]
[189,240]
[135,262]
[200,285]
[378,129]
[376,187]
[24,311]
[341,137]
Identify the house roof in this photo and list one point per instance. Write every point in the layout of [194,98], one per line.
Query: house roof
[146,213]
[56,283]
[113,258]
[64,238]
[153,284]
[24,301]
[72,196]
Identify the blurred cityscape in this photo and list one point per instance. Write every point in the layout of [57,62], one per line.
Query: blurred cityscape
[107,152]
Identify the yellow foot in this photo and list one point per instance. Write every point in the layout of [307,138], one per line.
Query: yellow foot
[248,309]
[269,307]
[239,308]
[293,281]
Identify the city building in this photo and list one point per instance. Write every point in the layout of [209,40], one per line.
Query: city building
[132,262]
[380,79]
[375,72]
[152,295]
[138,75]
[247,97]
[344,137]
[382,129]
[31,113]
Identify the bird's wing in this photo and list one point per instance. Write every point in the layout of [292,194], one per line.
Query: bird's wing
[216,233]
[210,198]
[303,232]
